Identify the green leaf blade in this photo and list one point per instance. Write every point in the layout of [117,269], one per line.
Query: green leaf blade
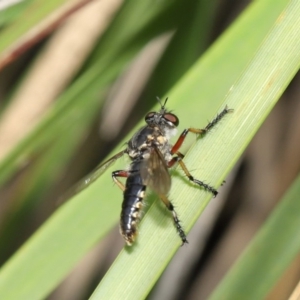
[134,267]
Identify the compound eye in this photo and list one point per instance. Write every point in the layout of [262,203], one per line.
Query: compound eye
[149,116]
[171,118]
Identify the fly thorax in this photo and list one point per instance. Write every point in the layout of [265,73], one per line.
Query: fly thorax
[133,153]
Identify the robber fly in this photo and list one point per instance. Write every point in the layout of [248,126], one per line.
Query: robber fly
[151,156]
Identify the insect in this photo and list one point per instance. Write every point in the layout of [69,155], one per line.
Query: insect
[151,155]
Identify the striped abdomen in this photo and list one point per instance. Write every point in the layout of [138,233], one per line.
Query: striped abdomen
[132,204]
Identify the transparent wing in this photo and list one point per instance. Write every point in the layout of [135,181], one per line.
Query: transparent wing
[90,178]
[155,174]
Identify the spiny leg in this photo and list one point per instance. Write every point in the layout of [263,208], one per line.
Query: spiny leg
[179,159]
[179,229]
[218,118]
[208,127]
[196,181]
[119,173]
[180,156]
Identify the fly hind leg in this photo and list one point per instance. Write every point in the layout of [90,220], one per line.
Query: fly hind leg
[179,229]
[119,173]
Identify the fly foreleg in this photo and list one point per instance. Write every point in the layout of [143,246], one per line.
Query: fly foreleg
[119,173]
[180,156]
[179,229]
[203,131]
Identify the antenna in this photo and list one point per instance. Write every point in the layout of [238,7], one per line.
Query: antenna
[162,105]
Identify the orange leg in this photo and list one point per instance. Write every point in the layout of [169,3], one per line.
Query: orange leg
[119,173]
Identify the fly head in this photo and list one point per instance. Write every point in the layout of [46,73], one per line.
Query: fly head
[163,119]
